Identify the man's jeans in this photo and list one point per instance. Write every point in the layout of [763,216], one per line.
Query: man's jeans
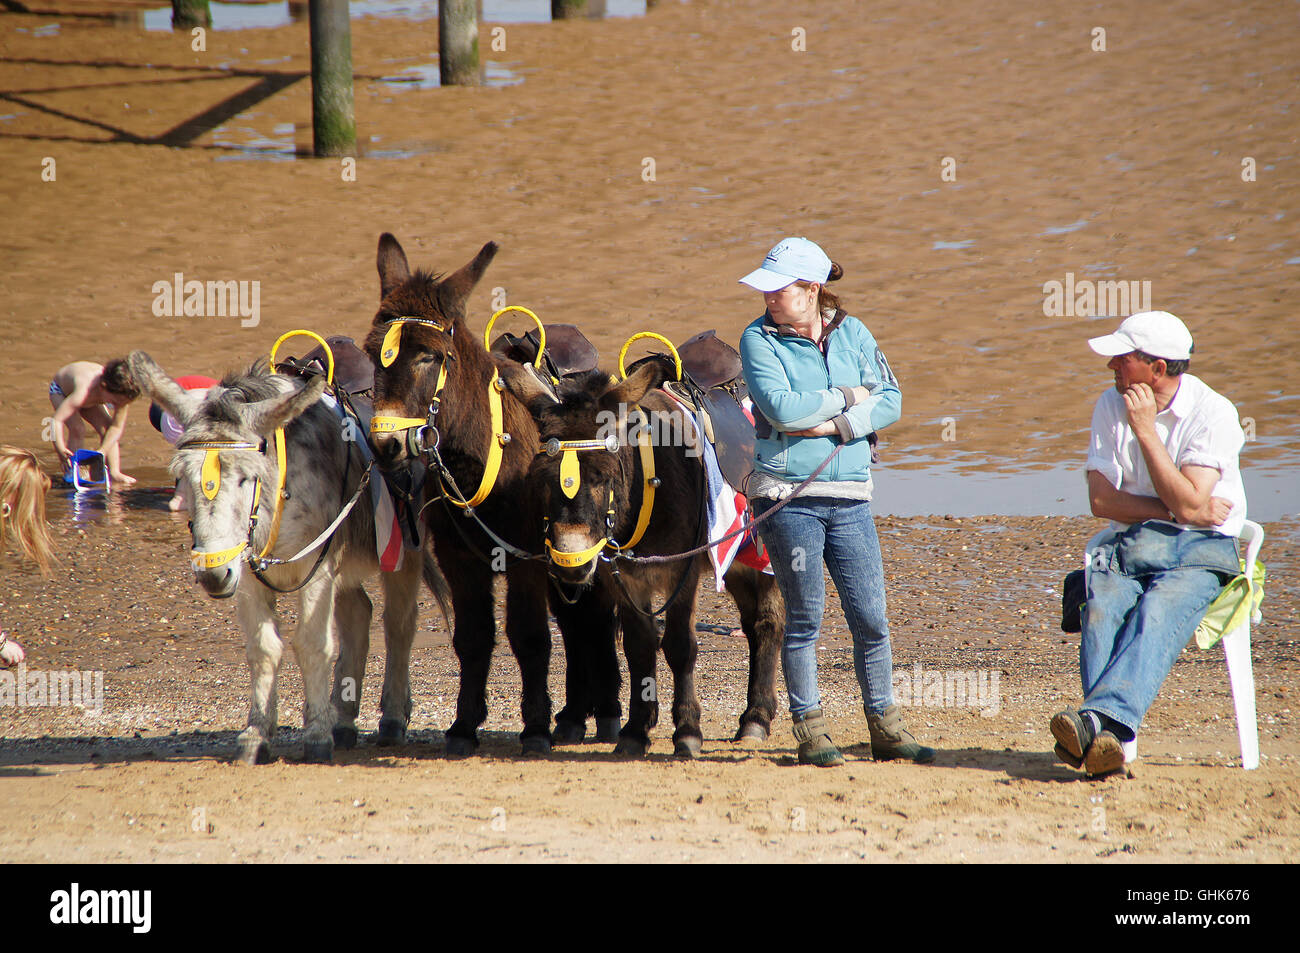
[1148,588]
[842,533]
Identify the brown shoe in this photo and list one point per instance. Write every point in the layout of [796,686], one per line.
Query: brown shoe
[815,745]
[890,739]
[1105,755]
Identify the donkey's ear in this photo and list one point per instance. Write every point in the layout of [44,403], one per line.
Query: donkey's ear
[462,282]
[154,382]
[644,379]
[521,382]
[391,260]
[266,415]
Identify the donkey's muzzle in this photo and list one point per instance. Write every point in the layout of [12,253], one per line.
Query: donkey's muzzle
[219,583]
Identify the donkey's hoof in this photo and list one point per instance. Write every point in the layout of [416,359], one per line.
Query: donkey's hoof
[569,732]
[607,730]
[751,731]
[318,752]
[536,744]
[252,752]
[391,733]
[345,736]
[688,747]
[458,747]
[631,747]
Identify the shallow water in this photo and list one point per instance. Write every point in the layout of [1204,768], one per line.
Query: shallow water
[261,16]
[1272,492]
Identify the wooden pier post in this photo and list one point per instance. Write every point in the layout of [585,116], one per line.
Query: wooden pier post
[458,62]
[334,128]
[187,14]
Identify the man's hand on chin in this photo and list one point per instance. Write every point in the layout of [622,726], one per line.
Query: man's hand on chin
[1140,400]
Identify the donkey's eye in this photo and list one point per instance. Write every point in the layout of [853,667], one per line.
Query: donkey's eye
[243,481]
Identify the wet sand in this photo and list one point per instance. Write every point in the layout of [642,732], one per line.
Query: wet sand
[1117,165]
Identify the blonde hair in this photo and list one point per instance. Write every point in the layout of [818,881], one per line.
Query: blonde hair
[22,504]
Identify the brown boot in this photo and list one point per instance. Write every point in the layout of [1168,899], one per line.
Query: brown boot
[890,739]
[815,742]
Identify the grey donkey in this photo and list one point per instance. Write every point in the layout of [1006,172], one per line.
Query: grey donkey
[228,430]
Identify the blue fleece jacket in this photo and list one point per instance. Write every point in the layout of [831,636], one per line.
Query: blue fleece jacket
[795,384]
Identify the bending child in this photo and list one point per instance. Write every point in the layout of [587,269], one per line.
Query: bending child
[86,393]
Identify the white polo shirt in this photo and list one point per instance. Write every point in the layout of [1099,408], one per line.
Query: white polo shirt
[1198,428]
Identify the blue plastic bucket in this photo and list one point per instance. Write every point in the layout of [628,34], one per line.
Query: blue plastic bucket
[88,471]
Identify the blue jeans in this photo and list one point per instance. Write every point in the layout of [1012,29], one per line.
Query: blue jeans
[803,534]
[1148,588]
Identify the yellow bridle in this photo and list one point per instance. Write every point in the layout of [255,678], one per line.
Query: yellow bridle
[570,480]
[496,445]
[211,485]
[210,474]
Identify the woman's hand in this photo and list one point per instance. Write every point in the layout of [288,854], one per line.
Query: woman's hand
[823,429]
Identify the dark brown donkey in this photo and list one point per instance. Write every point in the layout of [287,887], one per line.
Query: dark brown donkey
[434,382]
[592,482]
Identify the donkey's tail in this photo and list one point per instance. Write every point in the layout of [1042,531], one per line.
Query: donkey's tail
[437,583]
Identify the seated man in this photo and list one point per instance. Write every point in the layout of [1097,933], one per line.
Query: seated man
[1162,466]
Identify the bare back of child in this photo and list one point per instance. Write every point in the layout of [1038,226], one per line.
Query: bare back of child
[85,394]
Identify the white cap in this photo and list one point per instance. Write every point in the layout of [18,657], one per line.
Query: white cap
[1154,333]
[792,259]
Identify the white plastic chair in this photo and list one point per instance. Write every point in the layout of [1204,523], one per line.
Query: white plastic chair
[1236,650]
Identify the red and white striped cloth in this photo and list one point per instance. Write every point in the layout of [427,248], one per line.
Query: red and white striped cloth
[728,511]
[388,533]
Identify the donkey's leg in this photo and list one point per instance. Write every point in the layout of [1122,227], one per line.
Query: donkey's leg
[641,647]
[315,643]
[473,636]
[571,720]
[588,627]
[681,649]
[602,657]
[401,592]
[352,611]
[264,649]
[530,640]
[762,616]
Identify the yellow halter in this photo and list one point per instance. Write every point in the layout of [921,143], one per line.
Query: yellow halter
[211,485]
[570,480]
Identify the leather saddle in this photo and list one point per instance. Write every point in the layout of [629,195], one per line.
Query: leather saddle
[567,349]
[712,386]
[353,370]
[354,373]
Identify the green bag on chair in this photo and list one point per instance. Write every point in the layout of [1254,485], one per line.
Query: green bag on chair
[1234,605]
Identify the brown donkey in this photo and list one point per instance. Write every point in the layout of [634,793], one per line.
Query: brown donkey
[439,404]
[593,481]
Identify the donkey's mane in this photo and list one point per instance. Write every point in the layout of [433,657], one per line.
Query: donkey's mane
[244,387]
[579,398]
[422,292]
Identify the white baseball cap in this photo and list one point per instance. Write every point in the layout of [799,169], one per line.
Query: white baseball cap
[792,259]
[1154,333]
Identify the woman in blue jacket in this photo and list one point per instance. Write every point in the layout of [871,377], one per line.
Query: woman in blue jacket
[819,381]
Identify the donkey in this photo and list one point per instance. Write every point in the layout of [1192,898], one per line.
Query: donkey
[230,481]
[594,500]
[435,390]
